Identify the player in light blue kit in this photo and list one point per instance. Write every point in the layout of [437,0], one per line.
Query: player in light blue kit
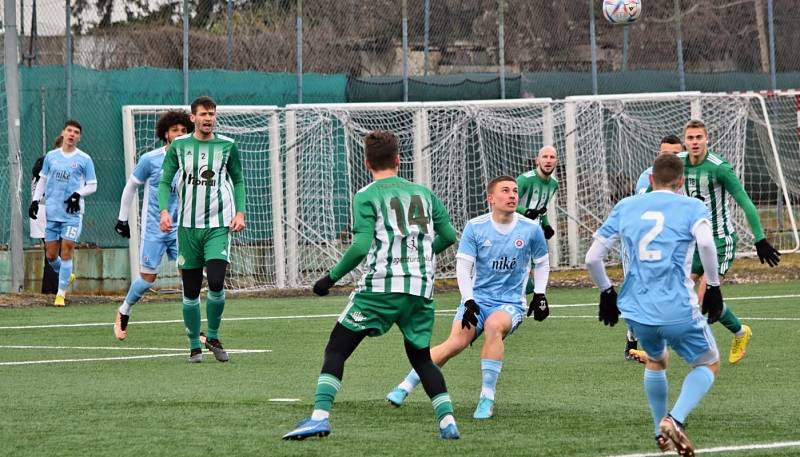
[67,176]
[498,247]
[659,231]
[153,242]
[670,144]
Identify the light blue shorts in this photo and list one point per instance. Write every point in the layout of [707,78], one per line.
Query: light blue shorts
[152,251]
[692,341]
[55,231]
[517,316]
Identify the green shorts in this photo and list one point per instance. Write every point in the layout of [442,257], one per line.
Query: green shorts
[375,313]
[726,252]
[196,246]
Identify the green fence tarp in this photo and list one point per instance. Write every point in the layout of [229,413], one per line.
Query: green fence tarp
[97,100]
[470,86]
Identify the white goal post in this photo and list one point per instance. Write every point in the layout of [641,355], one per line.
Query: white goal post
[304,163]
[257,254]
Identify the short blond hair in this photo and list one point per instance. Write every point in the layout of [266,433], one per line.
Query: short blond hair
[695,124]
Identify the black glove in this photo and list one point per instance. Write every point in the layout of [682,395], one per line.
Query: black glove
[538,307]
[712,303]
[609,313]
[123,229]
[470,317]
[73,203]
[548,232]
[766,253]
[37,167]
[33,209]
[323,286]
[533,213]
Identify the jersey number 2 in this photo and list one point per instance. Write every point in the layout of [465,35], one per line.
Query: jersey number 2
[416,214]
[644,253]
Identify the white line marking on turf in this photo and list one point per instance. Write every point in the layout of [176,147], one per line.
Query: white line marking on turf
[172,321]
[114,348]
[283,399]
[317,316]
[93,348]
[711,450]
[132,357]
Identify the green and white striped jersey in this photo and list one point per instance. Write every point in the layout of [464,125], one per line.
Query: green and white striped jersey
[535,192]
[713,181]
[404,217]
[210,183]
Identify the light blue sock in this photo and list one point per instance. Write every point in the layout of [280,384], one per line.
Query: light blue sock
[411,381]
[63,274]
[137,290]
[55,264]
[491,371]
[657,391]
[695,386]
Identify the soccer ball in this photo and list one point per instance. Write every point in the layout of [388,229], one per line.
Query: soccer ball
[621,12]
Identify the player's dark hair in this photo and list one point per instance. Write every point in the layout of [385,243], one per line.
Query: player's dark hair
[380,149]
[73,123]
[170,118]
[204,101]
[667,170]
[58,142]
[695,124]
[490,187]
[671,139]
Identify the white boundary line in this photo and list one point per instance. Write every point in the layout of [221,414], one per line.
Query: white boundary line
[711,450]
[441,311]
[92,348]
[132,357]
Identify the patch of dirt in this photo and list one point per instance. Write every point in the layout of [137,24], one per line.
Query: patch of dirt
[745,270]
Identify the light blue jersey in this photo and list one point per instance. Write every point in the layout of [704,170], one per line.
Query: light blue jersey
[502,261]
[148,172]
[656,231]
[66,174]
[644,181]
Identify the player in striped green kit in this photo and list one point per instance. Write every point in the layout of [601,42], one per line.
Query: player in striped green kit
[211,195]
[536,187]
[399,227]
[711,179]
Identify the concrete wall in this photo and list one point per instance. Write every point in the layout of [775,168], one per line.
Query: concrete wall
[100,271]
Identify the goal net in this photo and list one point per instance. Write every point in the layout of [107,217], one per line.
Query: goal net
[304,163]
[256,131]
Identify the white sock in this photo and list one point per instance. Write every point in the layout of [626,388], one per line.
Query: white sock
[740,333]
[319,414]
[62,292]
[447,420]
[125,309]
[488,393]
[407,386]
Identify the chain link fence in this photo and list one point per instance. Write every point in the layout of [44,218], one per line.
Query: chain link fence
[363,39]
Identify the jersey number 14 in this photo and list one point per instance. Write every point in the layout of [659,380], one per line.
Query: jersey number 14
[416,214]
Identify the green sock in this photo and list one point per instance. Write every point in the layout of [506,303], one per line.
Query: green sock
[327,388]
[191,319]
[442,405]
[729,320]
[215,305]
